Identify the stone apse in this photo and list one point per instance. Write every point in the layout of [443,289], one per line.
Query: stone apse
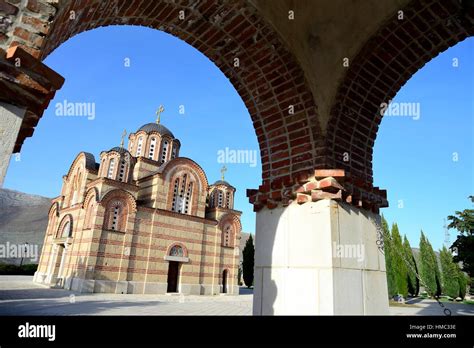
[312,74]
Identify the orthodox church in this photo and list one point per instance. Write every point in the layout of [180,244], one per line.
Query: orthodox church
[142,220]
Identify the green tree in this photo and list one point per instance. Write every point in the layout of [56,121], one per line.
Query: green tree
[462,279]
[392,291]
[248,262]
[398,262]
[463,221]
[450,273]
[429,270]
[412,280]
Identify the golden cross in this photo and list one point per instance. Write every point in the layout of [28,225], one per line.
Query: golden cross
[123,137]
[158,112]
[223,170]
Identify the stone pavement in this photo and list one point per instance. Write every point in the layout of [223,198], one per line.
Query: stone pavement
[20,296]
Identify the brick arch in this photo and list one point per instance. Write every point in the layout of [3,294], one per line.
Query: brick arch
[118,194]
[384,64]
[65,219]
[269,79]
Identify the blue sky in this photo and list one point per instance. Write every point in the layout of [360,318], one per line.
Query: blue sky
[412,158]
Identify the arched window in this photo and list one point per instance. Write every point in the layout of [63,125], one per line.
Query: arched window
[123,167]
[53,216]
[187,199]
[66,230]
[174,152]
[227,200]
[227,235]
[151,152]
[164,151]
[182,195]
[139,146]
[220,198]
[175,195]
[116,216]
[212,199]
[89,215]
[111,168]
[177,251]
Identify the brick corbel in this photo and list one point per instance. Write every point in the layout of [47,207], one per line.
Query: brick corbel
[27,83]
[324,184]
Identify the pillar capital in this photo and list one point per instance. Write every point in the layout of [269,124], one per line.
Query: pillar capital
[320,184]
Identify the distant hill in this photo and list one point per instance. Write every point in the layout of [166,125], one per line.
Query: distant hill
[23,219]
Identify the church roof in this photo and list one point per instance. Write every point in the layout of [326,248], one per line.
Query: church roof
[222,182]
[118,149]
[156,127]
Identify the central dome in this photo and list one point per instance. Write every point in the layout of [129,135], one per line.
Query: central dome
[156,127]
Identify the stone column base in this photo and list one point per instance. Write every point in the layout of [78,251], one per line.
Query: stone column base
[318,258]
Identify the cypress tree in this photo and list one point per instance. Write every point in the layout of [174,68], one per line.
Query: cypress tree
[392,291]
[248,262]
[399,264]
[412,280]
[449,274]
[462,280]
[426,266]
[429,267]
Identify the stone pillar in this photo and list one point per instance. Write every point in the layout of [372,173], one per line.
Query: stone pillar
[318,257]
[11,118]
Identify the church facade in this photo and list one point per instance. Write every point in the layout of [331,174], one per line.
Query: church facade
[142,220]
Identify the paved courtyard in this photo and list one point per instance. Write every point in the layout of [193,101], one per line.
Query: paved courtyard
[20,296]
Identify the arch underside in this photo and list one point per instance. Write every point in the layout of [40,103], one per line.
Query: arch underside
[268,79]
[385,63]
[271,82]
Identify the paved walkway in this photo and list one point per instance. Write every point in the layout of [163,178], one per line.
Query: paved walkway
[20,296]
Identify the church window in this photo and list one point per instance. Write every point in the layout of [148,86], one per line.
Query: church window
[177,251]
[220,198]
[175,194]
[212,197]
[227,200]
[227,235]
[139,146]
[182,195]
[175,150]
[122,170]
[116,216]
[66,231]
[164,152]
[152,148]
[188,197]
[111,168]
[88,220]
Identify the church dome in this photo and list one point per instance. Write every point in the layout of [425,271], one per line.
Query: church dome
[119,149]
[155,127]
[222,182]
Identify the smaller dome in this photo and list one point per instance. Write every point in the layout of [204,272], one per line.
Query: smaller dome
[222,182]
[156,127]
[118,149]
